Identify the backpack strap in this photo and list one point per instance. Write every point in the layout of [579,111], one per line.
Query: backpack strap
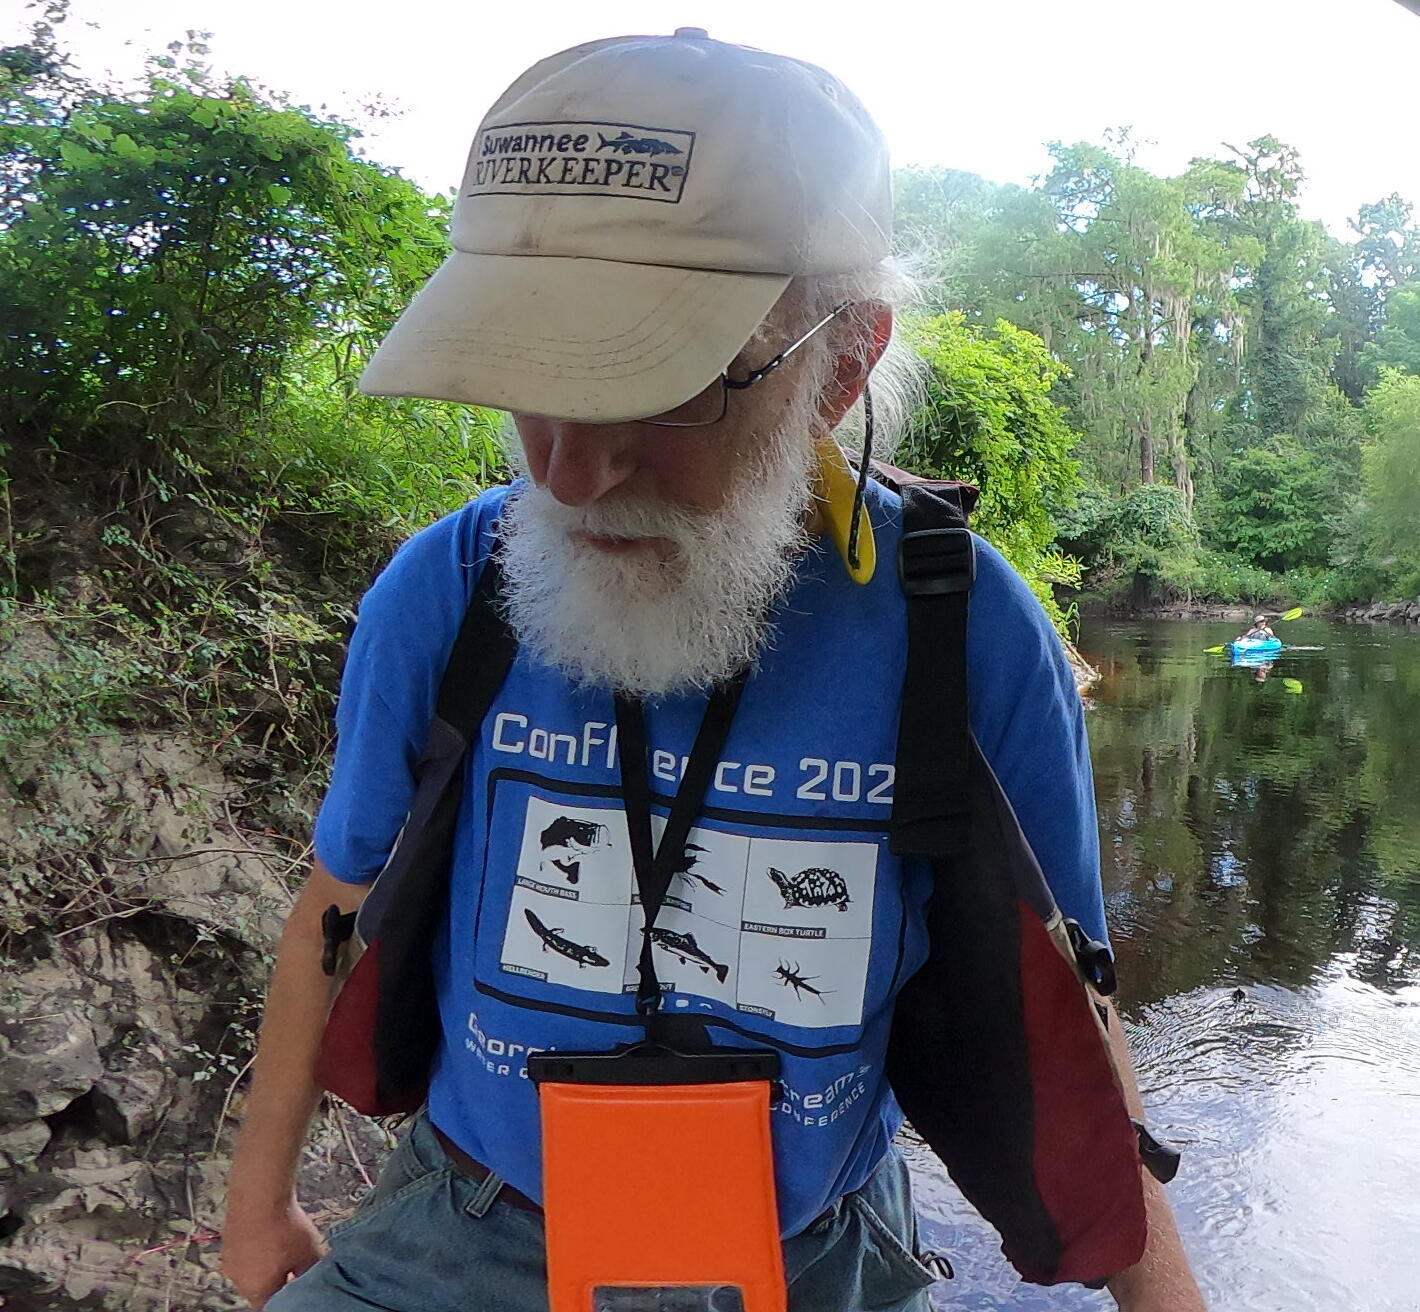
[408,1028]
[936,564]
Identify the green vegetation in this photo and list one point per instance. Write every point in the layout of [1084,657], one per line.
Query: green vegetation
[1392,479]
[990,419]
[192,492]
[1224,364]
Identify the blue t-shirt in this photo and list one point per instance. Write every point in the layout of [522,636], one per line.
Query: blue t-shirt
[790,924]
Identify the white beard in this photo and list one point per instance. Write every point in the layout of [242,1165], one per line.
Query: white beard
[647,626]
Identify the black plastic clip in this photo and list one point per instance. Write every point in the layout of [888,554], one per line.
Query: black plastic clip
[336,929]
[1093,957]
[1161,1160]
[934,562]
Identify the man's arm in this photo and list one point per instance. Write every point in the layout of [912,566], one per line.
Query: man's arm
[1162,1280]
[267,1237]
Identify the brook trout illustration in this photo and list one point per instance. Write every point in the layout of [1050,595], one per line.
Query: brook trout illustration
[686,949]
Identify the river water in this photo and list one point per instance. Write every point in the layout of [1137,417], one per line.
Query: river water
[1261,864]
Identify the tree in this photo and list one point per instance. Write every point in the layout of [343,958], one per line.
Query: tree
[1286,362]
[1392,478]
[1397,341]
[1277,503]
[166,259]
[1351,318]
[1212,337]
[940,218]
[1141,542]
[1112,268]
[1388,243]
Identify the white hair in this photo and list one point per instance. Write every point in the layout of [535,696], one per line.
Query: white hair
[653,627]
[898,380]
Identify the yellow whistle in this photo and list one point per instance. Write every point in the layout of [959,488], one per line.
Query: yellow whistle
[836,490]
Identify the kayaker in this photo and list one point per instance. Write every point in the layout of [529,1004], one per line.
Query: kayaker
[1261,630]
[671,267]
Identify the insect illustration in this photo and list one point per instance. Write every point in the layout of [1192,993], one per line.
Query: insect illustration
[814,887]
[626,144]
[553,941]
[684,947]
[791,975]
[566,841]
[685,868]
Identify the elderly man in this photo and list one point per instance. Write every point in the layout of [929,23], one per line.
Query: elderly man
[670,267]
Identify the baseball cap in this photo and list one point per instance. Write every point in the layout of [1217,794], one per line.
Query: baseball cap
[631,210]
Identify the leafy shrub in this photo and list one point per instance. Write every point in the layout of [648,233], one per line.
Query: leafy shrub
[1276,506]
[194,493]
[1141,542]
[1219,576]
[990,420]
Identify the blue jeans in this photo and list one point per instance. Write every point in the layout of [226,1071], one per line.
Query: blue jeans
[429,1239]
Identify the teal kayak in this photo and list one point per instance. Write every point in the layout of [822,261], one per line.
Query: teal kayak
[1254,646]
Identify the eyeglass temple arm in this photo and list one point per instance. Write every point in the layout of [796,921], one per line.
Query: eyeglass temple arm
[739,384]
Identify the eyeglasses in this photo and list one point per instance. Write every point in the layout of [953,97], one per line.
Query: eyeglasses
[712,404]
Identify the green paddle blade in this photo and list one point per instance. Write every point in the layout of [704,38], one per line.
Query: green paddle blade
[1215,651]
[1295,613]
[1292,685]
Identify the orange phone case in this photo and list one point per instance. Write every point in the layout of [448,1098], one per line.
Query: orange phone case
[660,1186]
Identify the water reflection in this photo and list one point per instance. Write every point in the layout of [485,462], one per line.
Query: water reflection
[1261,858]
[1252,832]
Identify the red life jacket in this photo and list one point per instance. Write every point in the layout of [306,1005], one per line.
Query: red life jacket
[997,1054]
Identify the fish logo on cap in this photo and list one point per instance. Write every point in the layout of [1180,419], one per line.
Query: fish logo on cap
[581,159]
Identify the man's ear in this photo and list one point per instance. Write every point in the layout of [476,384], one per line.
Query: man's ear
[850,373]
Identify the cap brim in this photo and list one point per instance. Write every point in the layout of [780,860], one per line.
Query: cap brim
[594,340]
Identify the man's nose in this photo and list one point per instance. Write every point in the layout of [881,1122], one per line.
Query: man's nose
[586,461]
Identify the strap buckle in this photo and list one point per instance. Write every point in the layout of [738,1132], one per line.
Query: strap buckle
[935,562]
[1094,959]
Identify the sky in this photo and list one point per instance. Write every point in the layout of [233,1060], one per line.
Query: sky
[975,86]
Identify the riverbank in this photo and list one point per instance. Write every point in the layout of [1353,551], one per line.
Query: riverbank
[1396,612]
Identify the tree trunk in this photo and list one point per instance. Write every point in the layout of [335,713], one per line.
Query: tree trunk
[1182,477]
[1146,420]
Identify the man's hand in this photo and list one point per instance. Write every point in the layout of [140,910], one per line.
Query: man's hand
[267,1238]
[260,1253]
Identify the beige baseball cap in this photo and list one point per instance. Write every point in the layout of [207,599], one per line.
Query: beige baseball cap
[631,210]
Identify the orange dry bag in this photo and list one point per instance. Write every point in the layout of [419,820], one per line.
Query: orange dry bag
[658,1181]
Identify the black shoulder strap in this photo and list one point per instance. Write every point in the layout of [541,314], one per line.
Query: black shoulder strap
[477,665]
[936,563]
[407,1029]
[480,657]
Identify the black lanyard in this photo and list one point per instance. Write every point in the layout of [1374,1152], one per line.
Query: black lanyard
[655,864]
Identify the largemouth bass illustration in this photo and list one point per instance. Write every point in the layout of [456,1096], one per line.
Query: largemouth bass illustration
[566,841]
